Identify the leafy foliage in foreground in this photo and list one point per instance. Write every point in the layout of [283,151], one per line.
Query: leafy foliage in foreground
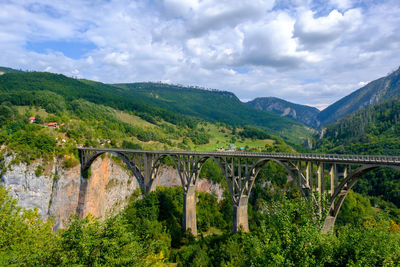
[148,233]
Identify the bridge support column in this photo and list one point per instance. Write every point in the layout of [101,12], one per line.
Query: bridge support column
[328,225]
[240,217]
[148,165]
[189,210]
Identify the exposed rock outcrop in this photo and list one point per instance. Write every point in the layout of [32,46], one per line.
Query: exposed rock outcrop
[305,114]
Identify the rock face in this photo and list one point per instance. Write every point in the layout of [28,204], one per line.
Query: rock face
[305,114]
[59,192]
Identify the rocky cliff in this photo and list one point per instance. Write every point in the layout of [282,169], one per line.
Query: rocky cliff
[60,192]
[305,114]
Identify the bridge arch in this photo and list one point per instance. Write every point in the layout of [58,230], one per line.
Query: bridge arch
[132,167]
[202,160]
[257,166]
[342,190]
[155,168]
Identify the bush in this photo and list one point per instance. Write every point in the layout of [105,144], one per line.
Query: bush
[39,170]
[70,162]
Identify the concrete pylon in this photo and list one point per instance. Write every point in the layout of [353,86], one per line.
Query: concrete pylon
[329,224]
[189,210]
[240,217]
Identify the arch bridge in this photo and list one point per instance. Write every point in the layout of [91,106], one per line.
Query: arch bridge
[318,176]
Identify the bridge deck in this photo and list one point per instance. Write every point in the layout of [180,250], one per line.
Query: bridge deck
[333,158]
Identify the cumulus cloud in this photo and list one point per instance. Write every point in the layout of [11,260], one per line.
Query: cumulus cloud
[305,51]
[317,32]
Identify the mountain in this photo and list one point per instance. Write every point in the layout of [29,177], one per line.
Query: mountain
[151,101]
[373,93]
[373,130]
[304,114]
[214,106]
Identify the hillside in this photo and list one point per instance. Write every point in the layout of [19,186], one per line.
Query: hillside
[214,106]
[152,102]
[373,130]
[304,114]
[81,122]
[374,92]
[8,70]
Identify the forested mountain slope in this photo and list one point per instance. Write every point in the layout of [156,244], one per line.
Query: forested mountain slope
[304,114]
[374,92]
[374,130]
[216,106]
[152,101]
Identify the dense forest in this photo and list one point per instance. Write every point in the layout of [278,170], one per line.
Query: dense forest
[375,131]
[148,232]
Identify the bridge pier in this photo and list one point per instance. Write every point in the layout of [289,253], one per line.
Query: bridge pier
[240,217]
[148,173]
[189,210]
[328,225]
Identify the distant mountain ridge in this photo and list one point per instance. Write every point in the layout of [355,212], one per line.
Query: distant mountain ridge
[302,113]
[374,92]
[8,70]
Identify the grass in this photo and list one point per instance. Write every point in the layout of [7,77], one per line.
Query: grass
[132,119]
[222,136]
[219,136]
[34,110]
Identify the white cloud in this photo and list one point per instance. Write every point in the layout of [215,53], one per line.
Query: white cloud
[318,32]
[114,58]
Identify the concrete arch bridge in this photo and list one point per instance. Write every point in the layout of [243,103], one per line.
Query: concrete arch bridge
[316,175]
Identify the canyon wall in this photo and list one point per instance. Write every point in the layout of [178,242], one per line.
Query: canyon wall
[58,192]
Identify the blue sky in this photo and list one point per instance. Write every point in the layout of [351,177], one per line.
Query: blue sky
[308,52]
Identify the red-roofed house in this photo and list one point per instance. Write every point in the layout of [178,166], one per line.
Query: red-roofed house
[52,125]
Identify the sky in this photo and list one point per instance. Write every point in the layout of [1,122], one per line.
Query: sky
[304,51]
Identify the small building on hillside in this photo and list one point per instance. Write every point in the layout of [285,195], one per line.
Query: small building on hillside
[32,119]
[51,125]
[231,148]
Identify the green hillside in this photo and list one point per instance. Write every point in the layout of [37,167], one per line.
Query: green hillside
[8,70]
[375,131]
[215,106]
[152,102]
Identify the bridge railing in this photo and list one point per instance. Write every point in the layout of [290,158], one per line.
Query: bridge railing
[287,156]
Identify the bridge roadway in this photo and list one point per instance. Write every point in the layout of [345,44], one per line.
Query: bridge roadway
[316,175]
